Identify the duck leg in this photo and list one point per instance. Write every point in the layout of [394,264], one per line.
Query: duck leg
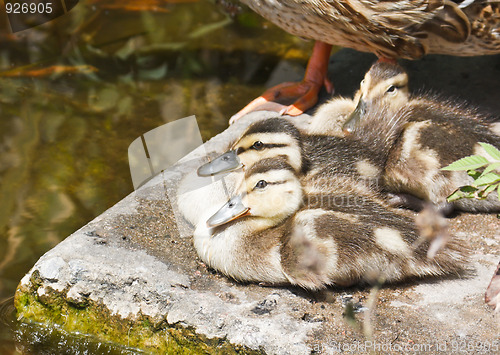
[306,91]
[387,60]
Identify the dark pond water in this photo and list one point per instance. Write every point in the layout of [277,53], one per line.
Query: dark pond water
[64,135]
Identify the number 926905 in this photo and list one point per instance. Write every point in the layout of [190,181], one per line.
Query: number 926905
[28,7]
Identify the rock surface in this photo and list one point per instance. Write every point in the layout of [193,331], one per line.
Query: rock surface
[132,276]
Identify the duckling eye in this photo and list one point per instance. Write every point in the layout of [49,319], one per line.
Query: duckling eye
[261,184]
[391,89]
[258,145]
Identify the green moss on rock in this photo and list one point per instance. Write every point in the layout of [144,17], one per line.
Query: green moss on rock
[50,307]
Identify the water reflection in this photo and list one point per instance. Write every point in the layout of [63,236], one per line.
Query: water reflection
[64,132]
[7,325]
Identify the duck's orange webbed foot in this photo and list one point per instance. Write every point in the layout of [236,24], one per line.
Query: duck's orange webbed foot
[306,91]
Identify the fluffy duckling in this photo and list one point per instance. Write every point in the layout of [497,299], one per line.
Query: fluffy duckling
[383,84]
[432,133]
[242,239]
[308,154]
[433,138]
[273,232]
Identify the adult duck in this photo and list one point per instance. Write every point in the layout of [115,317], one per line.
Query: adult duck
[388,28]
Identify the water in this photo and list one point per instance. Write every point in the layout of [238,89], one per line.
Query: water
[64,136]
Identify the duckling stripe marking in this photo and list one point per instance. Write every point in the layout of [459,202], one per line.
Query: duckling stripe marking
[411,139]
[391,240]
[366,169]
[267,165]
[264,146]
[279,182]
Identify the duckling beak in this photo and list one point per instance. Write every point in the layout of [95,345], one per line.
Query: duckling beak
[234,208]
[226,162]
[355,117]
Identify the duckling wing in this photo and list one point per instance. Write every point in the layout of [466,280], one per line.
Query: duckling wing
[365,243]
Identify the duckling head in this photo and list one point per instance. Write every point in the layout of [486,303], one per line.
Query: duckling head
[386,85]
[264,139]
[270,193]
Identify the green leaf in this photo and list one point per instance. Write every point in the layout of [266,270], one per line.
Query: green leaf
[489,178]
[462,192]
[487,190]
[467,163]
[474,173]
[491,167]
[491,150]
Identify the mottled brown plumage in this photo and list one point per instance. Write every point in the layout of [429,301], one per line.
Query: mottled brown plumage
[433,133]
[318,155]
[391,28]
[282,238]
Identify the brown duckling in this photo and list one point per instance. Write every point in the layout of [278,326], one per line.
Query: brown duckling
[274,232]
[384,85]
[432,139]
[322,155]
[432,133]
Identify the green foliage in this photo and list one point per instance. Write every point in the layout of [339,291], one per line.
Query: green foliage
[467,163]
[485,181]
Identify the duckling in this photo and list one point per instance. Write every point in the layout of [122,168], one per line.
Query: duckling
[384,85]
[432,139]
[273,232]
[433,133]
[248,248]
[307,153]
